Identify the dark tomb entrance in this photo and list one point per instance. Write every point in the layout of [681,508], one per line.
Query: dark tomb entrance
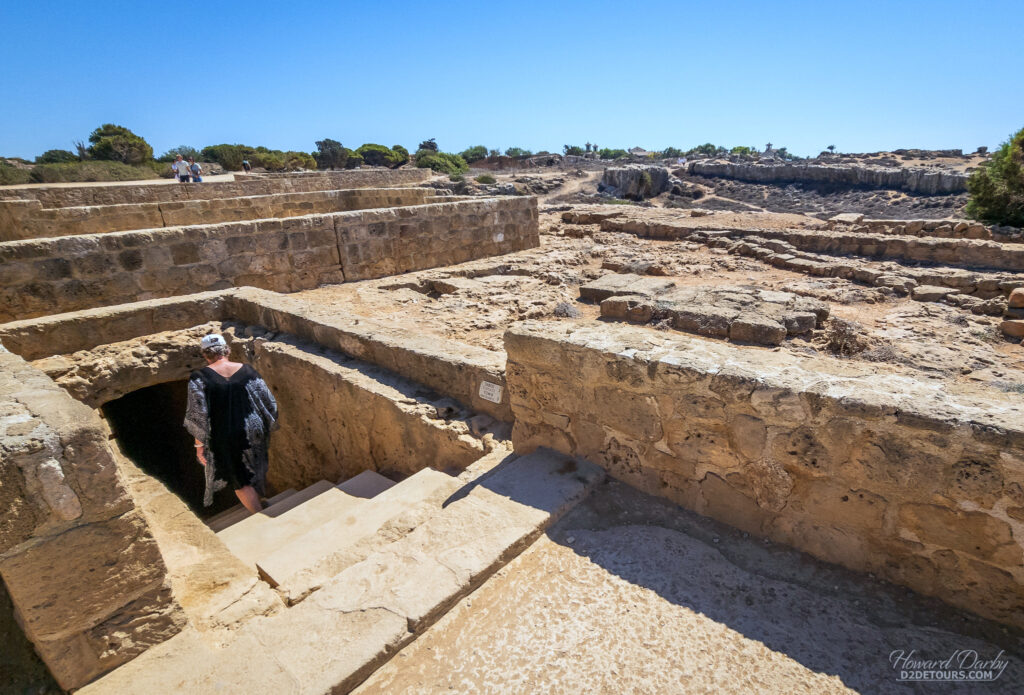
[148,427]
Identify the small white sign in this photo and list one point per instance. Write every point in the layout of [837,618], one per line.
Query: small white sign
[498,238]
[490,392]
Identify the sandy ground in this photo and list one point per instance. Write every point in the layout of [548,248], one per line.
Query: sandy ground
[630,594]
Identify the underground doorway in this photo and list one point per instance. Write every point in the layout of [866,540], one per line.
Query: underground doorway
[147,425]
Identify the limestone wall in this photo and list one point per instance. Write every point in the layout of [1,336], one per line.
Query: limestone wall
[341,416]
[76,196]
[965,253]
[78,559]
[48,276]
[454,369]
[450,368]
[911,179]
[29,220]
[880,472]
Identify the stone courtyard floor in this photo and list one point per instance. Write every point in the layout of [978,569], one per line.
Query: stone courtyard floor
[631,594]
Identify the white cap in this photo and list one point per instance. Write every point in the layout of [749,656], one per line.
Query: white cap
[212,340]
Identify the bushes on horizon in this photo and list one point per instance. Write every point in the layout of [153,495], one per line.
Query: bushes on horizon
[474,154]
[430,144]
[116,143]
[706,150]
[573,150]
[402,152]
[670,153]
[12,175]
[518,152]
[442,162]
[56,157]
[380,156]
[184,150]
[742,150]
[230,157]
[607,153]
[76,172]
[997,188]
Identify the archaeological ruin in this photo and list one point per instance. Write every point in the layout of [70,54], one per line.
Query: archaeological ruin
[558,429]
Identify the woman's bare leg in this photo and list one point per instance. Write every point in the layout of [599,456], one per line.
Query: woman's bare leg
[249,499]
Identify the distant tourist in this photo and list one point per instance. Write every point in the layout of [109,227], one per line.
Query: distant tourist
[231,413]
[195,171]
[181,171]
[246,165]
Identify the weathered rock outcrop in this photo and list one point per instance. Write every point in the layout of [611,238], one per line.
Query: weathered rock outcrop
[636,181]
[910,179]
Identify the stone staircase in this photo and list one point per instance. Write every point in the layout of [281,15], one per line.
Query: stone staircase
[365,566]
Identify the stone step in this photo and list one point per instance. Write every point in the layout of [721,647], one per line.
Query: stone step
[235,514]
[367,484]
[312,559]
[258,533]
[358,620]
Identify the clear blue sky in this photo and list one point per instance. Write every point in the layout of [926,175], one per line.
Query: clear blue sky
[864,76]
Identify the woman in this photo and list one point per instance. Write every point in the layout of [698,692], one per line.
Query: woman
[231,413]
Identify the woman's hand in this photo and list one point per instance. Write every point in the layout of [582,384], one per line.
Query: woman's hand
[200,453]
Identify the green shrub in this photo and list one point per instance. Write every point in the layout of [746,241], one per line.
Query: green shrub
[742,150]
[474,154]
[184,150]
[443,162]
[298,160]
[517,152]
[380,156]
[354,159]
[572,150]
[116,143]
[485,178]
[612,154]
[56,157]
[706,150]
[230,157]
[997,188]
[91,171]
[670,153]
[402,152]
[457,178]
[11,175]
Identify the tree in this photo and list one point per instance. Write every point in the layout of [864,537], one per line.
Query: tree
[670,153]
[430,144]
[402,153]
[330,154]
[494,153]
[118,144]
[56,157]
[473,154]
[997,187]
[517,152]
[706,150]
[184,150]
[379,156]
[607,153]
[831,148]
[742,150]
[441,161]
[575,150]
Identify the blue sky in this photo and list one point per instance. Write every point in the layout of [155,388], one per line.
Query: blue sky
[863,76]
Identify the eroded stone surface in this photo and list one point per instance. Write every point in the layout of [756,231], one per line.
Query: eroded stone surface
[744,314]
